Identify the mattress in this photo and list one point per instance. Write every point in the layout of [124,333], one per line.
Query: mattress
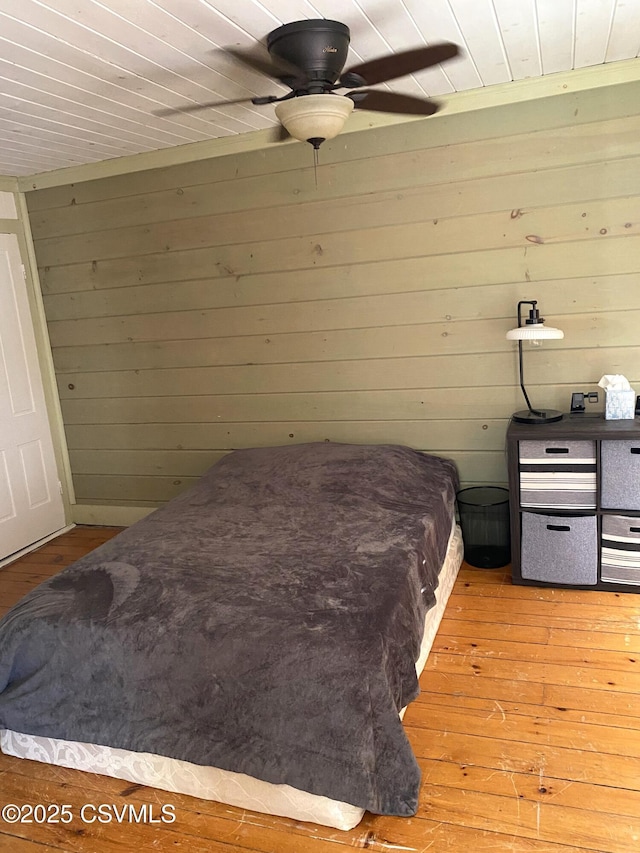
[210,783]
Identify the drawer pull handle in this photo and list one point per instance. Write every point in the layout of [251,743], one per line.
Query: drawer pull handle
[566,450]
[558,527]
[635,450]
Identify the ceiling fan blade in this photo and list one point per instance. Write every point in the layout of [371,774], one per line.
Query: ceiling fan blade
[390,102]
[398,64]
[192,108]
[276,68]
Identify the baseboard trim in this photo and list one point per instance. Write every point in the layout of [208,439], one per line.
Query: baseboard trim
[11,558]
[109,516]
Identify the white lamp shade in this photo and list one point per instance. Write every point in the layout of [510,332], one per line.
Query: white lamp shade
[314,116]
[534,332]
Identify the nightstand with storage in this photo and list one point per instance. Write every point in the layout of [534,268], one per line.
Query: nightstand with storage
[574,489]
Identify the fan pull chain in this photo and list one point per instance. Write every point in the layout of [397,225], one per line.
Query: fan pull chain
[315,166]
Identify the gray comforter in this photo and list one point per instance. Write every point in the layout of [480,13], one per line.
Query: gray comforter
[266,621]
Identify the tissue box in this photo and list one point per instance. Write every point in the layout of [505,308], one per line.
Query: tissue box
[619,405]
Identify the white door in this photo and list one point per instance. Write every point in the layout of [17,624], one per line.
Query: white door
[30,500]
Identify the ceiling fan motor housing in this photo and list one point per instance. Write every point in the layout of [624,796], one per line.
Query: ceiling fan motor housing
[317,47]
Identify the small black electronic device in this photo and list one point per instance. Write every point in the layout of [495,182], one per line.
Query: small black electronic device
[578,399]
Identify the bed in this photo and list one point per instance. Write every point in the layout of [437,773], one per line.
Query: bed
[254,641]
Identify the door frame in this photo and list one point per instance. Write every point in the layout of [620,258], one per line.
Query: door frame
[21,228]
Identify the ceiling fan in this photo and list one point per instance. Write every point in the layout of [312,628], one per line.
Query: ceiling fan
[308,57]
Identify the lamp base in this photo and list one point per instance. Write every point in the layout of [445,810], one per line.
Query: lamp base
[545,416]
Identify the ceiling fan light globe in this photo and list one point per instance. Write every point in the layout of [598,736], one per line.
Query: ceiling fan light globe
[314,116]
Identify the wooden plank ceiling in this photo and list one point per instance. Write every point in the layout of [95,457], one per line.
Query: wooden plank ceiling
[82,79]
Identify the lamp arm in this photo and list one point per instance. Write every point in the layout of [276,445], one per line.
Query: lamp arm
[532,302]
[524,390]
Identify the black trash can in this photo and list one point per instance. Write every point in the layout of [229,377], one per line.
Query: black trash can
[484,518]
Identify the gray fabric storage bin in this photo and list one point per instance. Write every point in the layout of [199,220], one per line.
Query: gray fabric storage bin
[620,549]
[559,549]
[620,474]
[557,474]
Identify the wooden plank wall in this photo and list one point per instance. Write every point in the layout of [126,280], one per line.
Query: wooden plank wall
[231,302]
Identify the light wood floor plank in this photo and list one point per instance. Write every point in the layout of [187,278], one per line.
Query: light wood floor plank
[526,731]
[492,630]
[39,561]
[539,821]
[502,689]
[528,786]
[479,648]
[490,707]
[584,675]
[613,771]
[12,844]
[625,642]
[586,700]
[480,587]
[546,615]
[521,728]
[585,612]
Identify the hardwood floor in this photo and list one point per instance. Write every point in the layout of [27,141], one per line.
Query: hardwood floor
[527,731]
